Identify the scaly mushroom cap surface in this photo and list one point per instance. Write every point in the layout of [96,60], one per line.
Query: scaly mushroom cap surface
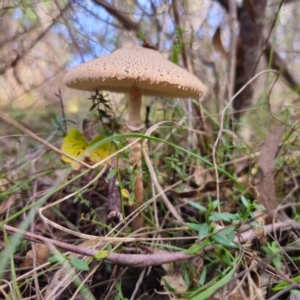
[137,67]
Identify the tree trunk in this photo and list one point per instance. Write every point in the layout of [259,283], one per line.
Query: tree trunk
[251,16]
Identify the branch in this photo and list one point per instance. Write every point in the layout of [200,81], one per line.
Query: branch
[135,260]
[224,4]
[278,63]
[119,15]
[31,44]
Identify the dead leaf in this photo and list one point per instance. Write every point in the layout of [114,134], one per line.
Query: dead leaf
[4,185]
[259,232]
[7,203]
[201,176]
[114,200]
[217,43]
[41,255]
[209,186]
[176,282]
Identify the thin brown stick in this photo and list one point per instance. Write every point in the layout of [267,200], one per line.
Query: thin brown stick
[119,15]
[135,260]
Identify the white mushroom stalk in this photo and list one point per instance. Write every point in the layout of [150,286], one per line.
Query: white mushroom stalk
[134,109]
[136,71]
[135,156]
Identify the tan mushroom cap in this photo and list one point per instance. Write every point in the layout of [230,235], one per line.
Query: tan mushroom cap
[138,67]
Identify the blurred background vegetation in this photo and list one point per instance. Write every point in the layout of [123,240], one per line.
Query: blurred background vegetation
[224,46]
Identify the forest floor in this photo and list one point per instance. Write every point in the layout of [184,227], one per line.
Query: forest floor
[219,218]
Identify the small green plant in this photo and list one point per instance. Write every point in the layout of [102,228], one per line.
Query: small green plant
[178,162]
[77,263]
[209,235]
[272,250]
[119,296]
[285,115]
[247,212]
[127,186]
[284,284]
[224,238]
[102,106]
[207,290]
[79,197]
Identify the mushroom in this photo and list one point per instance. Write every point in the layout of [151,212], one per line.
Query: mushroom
[137,71]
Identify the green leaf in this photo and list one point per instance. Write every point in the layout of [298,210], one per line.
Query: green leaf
[277,262]
[57,259]
[213,205]
[225,257]
[211,290]
[168,286]
[197,206]
[93,106]
[103,114]
[125,193]
[187,278]
[260,207]
[118,297]
[203,230]
[141,34]
[174,57]
[101,254]
[226,231]
[222,240]
[280,286]
[79,264]
[295,292]
[245,201]
[112,173]
[195,248]
[194,226]
[231,235]
[30,14]
[132,179]
[203,276]
[214,216]
[255,224]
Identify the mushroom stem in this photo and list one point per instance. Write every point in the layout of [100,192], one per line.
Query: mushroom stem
[134,109]
[135,156]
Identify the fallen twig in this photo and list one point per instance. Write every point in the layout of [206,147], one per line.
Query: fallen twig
[135,260]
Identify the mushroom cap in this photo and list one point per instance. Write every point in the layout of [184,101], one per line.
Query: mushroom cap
[137,67]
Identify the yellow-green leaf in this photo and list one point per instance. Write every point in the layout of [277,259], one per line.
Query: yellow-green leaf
[76,146]
[101,254]
[125,193]
[102,151]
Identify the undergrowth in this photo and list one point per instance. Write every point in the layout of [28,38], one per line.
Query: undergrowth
[218,229]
